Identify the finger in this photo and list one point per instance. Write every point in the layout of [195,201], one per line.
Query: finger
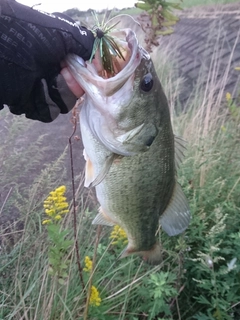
[97,62]
[76,89]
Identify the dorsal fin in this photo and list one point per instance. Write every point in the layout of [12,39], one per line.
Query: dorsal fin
[180,149]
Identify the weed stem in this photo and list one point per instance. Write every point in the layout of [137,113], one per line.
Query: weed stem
[74,121]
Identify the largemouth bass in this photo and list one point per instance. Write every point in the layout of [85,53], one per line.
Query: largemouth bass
[130,150]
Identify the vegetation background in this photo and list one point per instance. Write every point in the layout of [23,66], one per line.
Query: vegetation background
[199,277]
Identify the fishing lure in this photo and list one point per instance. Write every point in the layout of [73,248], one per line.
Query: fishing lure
[106,44]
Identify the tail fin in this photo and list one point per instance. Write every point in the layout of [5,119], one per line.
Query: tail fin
[152,256]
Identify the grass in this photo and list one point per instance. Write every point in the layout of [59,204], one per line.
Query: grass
[184,4]
[193,3]
[200,274]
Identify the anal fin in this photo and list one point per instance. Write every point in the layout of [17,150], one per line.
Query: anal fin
[176,217]
[102,219]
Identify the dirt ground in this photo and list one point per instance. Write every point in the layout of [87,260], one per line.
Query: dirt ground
[206,40]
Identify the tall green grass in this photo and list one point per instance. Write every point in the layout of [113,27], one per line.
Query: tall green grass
[200,272]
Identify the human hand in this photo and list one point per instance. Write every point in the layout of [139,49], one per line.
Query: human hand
[118,65]
[70,80]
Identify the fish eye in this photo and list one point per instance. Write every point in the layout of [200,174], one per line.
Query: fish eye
[146,82]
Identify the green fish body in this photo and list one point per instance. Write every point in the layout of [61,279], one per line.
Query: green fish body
[131,152]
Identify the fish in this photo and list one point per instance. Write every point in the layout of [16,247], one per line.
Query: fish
[131,152]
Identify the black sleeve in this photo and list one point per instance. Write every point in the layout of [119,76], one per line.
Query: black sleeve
[32,45]
[29,36]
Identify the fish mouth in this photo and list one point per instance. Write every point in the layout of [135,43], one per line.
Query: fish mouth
[108,99]
[101,83]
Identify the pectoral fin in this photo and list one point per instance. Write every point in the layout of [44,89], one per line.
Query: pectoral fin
[139,139]
[176,217]
[129,135]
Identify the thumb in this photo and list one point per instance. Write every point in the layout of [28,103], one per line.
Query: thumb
[72,83]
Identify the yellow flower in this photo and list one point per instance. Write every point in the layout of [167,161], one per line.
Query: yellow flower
[95,299]
[58,217]
[63,211]
[61,205]
[237,68]
[228,96]
[118,235]
[88,264]
[61,189]
[223,128]
[46,221]
[56,204]
[49,212]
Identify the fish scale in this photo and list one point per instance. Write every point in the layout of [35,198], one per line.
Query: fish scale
[143,193]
